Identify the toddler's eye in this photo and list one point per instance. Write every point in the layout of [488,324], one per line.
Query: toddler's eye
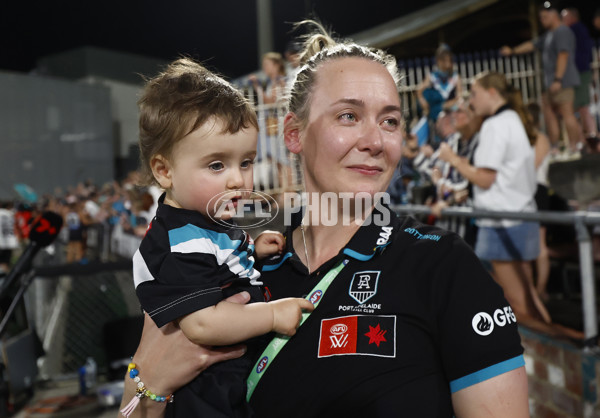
[247,163]
[216,166]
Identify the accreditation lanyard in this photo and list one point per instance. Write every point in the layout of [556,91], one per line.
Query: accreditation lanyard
[268,355]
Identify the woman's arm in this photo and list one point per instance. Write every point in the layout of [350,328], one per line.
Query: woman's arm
[481,177]
[167,360]
[542,148]
[424,84]
[504,395]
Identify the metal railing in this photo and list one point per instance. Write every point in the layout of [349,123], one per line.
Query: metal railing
[581,220]
[70,303]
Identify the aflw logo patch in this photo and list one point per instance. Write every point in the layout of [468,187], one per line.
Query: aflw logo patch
[359,335]
[364,285]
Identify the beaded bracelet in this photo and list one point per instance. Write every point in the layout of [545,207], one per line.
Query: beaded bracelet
[141,392]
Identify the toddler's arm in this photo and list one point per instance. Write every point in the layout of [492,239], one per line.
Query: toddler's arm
[229,323]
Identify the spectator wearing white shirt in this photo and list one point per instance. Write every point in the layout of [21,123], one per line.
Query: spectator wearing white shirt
[504,179]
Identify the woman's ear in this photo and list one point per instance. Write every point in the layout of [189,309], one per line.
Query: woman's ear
[291,133]
[161,169]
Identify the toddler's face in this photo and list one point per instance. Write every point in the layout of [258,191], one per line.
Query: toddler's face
[210,170]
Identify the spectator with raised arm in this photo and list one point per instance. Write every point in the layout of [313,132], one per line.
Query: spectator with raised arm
[442,87]
[557,45]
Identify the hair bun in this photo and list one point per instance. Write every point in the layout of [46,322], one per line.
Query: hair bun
[315,43]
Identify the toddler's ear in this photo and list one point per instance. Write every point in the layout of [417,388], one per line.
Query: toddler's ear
[161,169]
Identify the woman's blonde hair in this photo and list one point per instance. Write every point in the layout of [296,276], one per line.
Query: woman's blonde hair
[512,95]
[321,47]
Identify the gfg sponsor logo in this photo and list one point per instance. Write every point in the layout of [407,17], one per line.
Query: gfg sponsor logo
[483,323]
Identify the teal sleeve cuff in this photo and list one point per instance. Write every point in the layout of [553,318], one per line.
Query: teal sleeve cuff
[487,373]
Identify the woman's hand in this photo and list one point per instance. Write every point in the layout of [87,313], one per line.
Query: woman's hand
[167,360]
[436,175]
[506,51]
[446,153]
[427,150]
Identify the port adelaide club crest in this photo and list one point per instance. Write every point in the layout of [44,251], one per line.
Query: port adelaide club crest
[363,287]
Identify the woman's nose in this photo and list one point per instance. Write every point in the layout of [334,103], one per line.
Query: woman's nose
[371,138]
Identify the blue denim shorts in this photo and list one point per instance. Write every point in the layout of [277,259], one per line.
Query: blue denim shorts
[516,243]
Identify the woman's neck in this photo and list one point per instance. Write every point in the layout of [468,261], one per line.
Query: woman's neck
[497,104]
[320,240]
[321,243]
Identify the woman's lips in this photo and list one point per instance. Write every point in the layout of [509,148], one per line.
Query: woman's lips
[369,170]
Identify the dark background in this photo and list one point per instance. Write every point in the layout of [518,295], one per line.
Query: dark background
[223,34]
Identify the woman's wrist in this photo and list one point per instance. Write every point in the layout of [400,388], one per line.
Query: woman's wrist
[146,408]
[143,400]
[149,377]
[454,161]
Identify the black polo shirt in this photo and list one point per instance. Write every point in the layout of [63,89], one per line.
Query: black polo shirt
[412,318]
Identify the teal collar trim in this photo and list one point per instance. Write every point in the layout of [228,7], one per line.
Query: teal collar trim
[271,267]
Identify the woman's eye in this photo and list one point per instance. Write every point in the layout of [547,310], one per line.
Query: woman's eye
[391,122]
[348,117]
[247,163]
[216,166]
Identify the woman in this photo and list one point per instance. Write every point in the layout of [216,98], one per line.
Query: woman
[394,333]
[271,153]
[453,188]
[503,176]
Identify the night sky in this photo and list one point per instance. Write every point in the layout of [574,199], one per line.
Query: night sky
[221,33]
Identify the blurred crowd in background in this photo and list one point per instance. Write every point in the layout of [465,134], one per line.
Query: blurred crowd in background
[118,203]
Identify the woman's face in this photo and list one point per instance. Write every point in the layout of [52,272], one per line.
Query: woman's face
[353,137]
[270,68]
[481,100]
[463,115]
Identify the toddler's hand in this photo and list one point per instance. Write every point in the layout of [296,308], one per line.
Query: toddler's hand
[268,243]
[287,314]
